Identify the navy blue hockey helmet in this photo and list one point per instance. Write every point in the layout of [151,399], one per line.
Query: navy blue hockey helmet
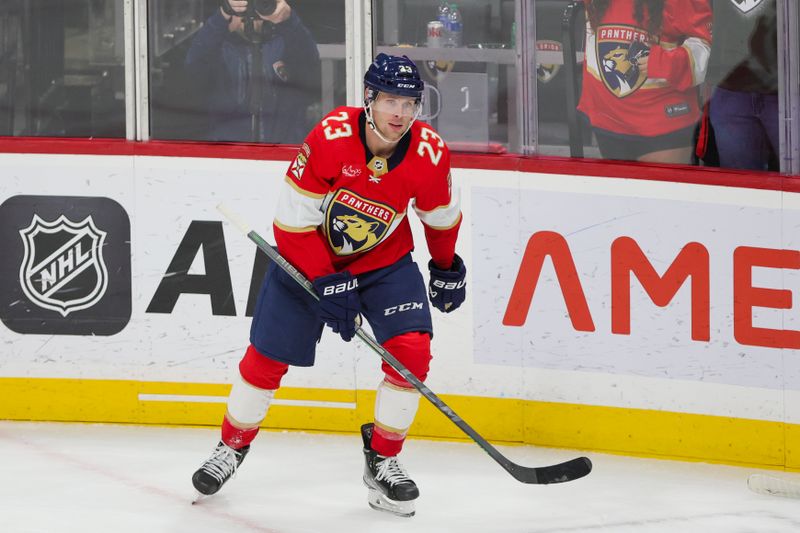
[394,75]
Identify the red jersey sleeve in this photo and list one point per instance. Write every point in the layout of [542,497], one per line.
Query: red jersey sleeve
[298,215]
[688,23]
[435,203]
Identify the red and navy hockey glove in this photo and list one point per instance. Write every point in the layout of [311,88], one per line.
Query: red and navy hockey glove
[447,289]
[339,305]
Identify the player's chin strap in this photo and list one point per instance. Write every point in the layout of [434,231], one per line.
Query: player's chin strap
[368,111]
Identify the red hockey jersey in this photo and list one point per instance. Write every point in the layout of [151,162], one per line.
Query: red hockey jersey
[341,208]
[618,97]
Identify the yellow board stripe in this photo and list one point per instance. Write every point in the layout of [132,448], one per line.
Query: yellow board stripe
[638,432]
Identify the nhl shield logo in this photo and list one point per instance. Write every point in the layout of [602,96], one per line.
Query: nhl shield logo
[63,268]
[618,48]
[746,5]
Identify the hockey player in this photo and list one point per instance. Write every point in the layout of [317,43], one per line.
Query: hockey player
[342,221]
[644,61]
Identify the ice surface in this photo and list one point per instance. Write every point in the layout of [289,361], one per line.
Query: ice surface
[104,478]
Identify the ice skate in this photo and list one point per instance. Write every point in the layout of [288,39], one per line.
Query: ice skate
[390,488]
[218,469]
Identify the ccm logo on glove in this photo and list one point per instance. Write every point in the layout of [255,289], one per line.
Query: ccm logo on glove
[340,288]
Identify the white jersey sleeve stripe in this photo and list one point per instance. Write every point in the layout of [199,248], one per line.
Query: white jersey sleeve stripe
[303,192]
[442,217]
[291,229]
[298,210]
[699,52]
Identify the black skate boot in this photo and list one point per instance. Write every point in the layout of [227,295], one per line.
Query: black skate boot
[390,488]
[218,469]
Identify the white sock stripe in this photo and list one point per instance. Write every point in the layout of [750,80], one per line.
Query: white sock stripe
[395,407]
[248,404]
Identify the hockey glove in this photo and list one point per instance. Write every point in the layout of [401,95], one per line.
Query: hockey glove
[447,289]
[339,305]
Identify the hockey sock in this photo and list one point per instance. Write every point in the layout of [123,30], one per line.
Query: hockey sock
[247,408]
[397,401]
[250,396]
[395,409]
[413,349]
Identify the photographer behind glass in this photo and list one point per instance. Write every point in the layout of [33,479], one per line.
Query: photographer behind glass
[258,67]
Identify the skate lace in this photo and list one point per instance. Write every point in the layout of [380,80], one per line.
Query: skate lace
[392,471]
[222,464]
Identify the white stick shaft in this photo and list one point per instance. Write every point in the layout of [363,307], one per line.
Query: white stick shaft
[234,218]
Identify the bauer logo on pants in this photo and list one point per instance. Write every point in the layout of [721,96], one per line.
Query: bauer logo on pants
[66,265]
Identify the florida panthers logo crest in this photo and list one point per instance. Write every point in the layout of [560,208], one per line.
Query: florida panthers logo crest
[618,50]
[746,5]
[355,224]
[63,268]
[546,71]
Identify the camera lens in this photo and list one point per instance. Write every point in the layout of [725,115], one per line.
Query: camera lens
[265,8]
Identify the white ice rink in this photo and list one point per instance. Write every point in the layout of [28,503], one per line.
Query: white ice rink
[97,478]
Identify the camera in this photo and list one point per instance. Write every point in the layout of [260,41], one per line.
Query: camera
[255,8]
[264,8]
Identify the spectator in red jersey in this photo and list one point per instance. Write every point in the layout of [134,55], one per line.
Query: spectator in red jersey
[342,220]
[644,61]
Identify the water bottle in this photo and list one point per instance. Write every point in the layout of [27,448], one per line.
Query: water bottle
[456,28]
[444,18]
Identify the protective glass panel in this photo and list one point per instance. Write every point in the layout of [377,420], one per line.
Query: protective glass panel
[62,68]
[229,70]
[466,57]
[633,87]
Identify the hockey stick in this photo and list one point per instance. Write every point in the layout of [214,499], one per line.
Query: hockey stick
[541,475]
[773,486]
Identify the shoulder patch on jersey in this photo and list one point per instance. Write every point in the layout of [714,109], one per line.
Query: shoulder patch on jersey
[306,149]
[298,166]
[355,224]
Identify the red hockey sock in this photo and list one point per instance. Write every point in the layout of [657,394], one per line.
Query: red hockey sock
[236,437]
[386,443]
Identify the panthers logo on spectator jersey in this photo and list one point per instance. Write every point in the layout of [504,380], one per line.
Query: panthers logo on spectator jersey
[746,5]
[546,71]
[616,46]
[355,224]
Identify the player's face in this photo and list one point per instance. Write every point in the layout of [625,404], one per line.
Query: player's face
[393,114]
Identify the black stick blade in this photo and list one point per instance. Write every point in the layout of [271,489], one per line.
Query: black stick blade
[560,473]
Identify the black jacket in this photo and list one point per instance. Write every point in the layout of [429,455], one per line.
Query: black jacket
[220,63]
[744,52]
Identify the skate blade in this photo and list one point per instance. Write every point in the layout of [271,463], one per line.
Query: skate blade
[380,502]
[199,497]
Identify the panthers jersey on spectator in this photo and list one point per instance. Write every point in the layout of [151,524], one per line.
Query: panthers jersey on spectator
[620,98]
[341,208]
